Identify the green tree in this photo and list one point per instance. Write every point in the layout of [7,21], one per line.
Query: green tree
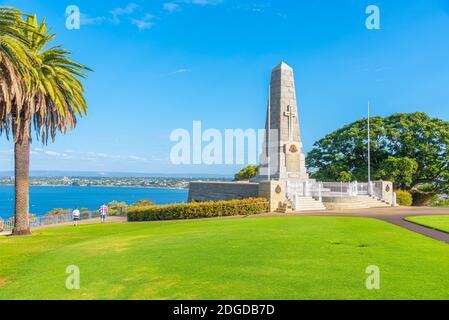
[400,171]
[247,173]
[117,208]
[411,149]
[143,203]
[344,177]
[52,101]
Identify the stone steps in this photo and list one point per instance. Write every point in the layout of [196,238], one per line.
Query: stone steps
[362,202]
[309,204]
[374,202]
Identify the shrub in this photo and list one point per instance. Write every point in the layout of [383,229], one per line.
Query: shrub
[117,208]
[196,210]
[440,201]
[58,211]
[143,203]
[404,198]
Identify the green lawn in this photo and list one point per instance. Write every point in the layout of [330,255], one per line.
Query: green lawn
[436,222]
[263,258]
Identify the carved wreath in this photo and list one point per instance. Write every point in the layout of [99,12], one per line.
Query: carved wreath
[278,189]
[293,148]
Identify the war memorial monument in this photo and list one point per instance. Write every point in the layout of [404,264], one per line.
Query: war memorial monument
[282,178]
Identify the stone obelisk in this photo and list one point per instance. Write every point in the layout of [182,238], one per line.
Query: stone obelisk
[282,155]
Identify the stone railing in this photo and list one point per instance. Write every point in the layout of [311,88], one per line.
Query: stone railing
[379,189]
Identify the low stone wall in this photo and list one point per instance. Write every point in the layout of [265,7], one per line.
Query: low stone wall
[216,191]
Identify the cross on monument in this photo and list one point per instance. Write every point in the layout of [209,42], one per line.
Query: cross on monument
[290,114]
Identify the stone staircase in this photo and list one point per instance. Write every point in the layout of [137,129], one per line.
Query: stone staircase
[309,204]
[373,202]
[361,202]
[303,204]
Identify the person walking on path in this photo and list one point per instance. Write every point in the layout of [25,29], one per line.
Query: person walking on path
[76,214]
[103,213]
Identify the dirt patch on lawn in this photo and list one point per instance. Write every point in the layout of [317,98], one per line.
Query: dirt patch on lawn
[3,282]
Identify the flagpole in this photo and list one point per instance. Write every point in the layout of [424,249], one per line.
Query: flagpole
[369,148]
[269,133]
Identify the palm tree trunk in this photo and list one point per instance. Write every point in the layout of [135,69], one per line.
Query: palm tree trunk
[22,168]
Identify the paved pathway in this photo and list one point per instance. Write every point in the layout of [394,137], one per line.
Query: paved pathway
[395,216]
[87,221]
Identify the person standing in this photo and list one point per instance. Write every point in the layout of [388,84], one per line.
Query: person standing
[103,213]
[76,214]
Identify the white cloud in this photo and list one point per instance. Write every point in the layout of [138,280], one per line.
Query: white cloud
[57,154]
[91,156]
[203,2]
[142,24]
[171,7]
[136,158]
[117,12]
[382,69]
[183,70]
[88,20]
[7,152]
[178,71]
[147,22]
[102,155]
[52,153]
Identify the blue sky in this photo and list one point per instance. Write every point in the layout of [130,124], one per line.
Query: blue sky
[159,65]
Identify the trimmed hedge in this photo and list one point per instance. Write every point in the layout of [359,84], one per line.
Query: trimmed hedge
[404,198]
[195,210]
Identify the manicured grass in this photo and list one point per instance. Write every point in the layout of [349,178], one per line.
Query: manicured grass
[251,258]
[436,222]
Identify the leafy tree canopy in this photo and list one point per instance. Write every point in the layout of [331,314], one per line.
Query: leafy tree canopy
[410,149]
[247,173]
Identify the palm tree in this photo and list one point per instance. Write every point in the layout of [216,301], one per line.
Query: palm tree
[53,99]
[8,18]
[15,64]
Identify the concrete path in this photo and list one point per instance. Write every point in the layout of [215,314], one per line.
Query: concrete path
[88,221]
[394,216]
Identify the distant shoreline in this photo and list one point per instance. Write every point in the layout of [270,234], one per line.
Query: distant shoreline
[44,199]
[98,186]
